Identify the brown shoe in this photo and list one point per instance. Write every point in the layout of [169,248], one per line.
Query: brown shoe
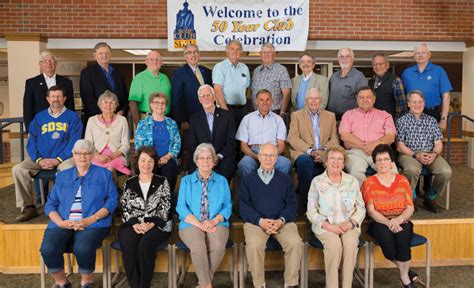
[27,214]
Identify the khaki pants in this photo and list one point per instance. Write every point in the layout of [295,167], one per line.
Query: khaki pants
[337,248]
[207,250]
[23,174]
[289,239]
[358,162]
[439,168]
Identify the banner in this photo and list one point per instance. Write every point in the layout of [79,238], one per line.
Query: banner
[211,24]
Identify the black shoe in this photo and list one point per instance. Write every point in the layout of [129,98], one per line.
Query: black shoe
[67,285]
[87,285]
[431,205]
[27,214]
[409,285]
[413,276]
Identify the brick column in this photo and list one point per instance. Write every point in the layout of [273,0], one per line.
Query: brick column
[468,98]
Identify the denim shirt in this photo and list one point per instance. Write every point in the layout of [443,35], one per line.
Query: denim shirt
[144,135]
[189,198]
[98,191]
[321,201]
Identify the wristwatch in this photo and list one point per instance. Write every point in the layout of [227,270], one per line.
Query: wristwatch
[444,118]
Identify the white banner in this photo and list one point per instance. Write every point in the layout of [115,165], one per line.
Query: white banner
[211,24]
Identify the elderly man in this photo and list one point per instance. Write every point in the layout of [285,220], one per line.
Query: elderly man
[146,82]
[432,81]
[361,130]
[274,77]
[268,206]
[344,84]
[419,141]
[52,135]
[312,130]
[388,88]
[185,83]
[36,88]
[216,126]
[307,80]
[97,78]
[231,79]
[260,127]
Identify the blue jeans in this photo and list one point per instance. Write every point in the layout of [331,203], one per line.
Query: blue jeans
[82,244]
[306,169]
[248,164]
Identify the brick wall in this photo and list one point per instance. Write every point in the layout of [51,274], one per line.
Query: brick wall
[458,152]
[428,20]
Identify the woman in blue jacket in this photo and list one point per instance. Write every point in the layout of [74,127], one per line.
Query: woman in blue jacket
[80,208]
[204,208]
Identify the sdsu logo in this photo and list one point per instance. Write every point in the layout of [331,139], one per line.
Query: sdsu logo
[184,32]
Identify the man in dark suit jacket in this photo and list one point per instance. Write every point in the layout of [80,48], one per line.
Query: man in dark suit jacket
[221,136]
[97,78]
[185,84]
[36,88]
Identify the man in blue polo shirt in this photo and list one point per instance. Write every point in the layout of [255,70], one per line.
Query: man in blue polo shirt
[433,81]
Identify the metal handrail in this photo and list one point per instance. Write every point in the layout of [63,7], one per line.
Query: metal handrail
[5,122]
[450,117]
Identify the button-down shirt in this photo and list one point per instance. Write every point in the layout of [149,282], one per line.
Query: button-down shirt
[433,82]
[316,128]
[322,199]
[367,126]
[258,129]
[273,77]
[210,120]
[234,79]
[266,176]
[50,81]
[418,134]
[342,96]
[108,76]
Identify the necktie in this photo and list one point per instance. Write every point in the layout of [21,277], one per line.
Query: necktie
[199,77]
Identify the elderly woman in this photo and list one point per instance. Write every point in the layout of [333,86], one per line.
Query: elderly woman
[108,132]
[80,208]
[204,208]
[146,219]
[389,202]
[162,133]
[336,211]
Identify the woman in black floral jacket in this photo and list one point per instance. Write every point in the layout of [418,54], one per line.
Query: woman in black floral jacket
[146,220]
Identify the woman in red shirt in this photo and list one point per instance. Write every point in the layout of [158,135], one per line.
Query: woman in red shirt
[389,202]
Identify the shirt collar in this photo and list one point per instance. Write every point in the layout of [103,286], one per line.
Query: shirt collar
[305,78]
[230,63]
[196,178]
[49,78]
[268,115]
[269,67]
[111,69]
[149,73]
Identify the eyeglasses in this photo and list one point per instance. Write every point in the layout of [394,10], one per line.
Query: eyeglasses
[191,52]
[82,153]
[158,102]
[47,61]
[154,59]
[205,95]
[345,57]
[378,64]
[205,159]
[269,156]
[387,159]
[336,159]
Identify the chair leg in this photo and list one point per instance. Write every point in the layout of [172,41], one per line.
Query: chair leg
[304,267]
[371,265]
[42,272]
[366,265]
[69,265]
[170,266]
[242,263]
[105,266]
[428,263]
[234,267]
[183,268]
[448,191]
[117,274]
[43,197]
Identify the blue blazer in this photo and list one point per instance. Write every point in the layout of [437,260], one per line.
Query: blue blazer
[184,87]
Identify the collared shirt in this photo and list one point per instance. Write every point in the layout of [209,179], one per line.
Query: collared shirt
[108,76]
[234,79]
[258,129]
[302,90]
[196,71]
[433,82]
[273,77]
[210,120]
[418,134]
[342,96]
[316,128]
[322,199]
[146,83]
[50,81]
[367,126]
[265,176]
[204,213]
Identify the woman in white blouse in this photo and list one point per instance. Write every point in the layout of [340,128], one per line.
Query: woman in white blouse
[109,134]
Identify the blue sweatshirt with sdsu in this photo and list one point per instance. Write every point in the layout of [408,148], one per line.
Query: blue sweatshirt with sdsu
[53,136]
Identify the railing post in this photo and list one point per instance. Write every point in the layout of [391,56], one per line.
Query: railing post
[22,141]
[1,147]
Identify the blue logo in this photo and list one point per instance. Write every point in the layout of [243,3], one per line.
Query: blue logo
[184,32]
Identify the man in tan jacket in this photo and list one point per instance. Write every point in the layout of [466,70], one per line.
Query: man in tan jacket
[312,130]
